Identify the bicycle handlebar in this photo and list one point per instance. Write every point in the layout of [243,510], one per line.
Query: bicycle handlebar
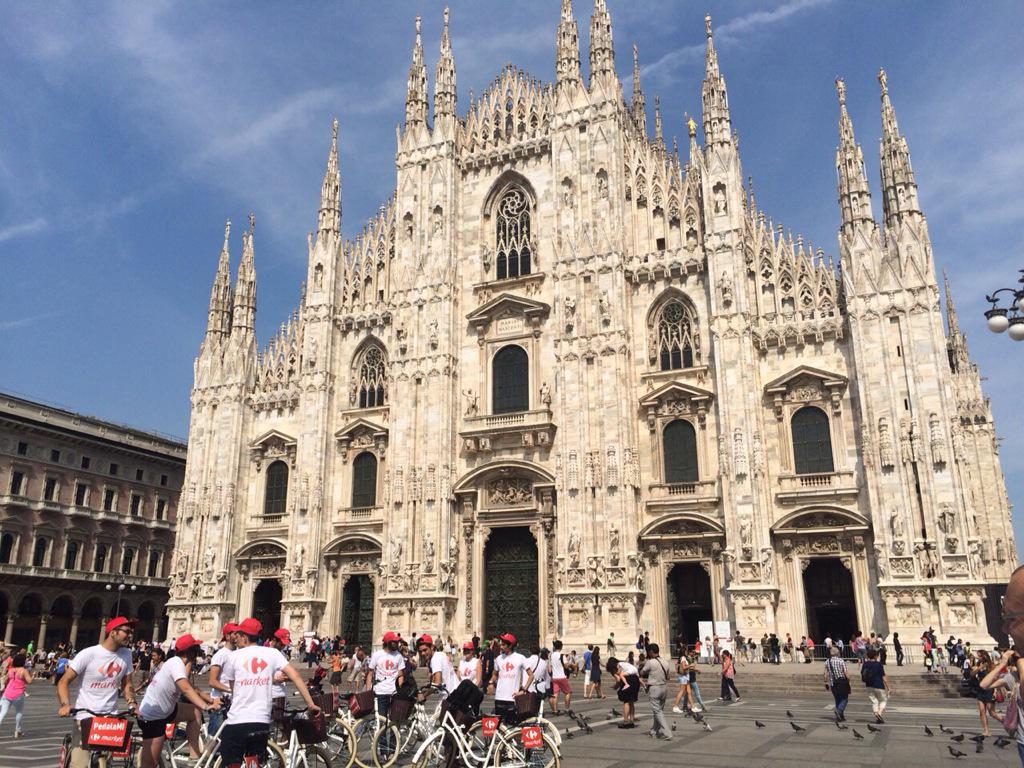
[119,715]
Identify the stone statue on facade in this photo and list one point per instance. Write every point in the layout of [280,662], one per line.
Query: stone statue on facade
[613,546]
[767,564]
[947,519]
[574,550]
[881,562]
[396,554]
[757,458]
[886,453]
[938,445]
[428,553]
[545,394]
[209,557]
[472,402]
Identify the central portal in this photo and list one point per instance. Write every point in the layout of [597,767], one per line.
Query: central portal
[689,603]
[357,612]
[831,607]
[266,605]
[511,599]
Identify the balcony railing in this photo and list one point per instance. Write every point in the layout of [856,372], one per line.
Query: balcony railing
[38,571]
[817,485]
[666,496]
[524,428]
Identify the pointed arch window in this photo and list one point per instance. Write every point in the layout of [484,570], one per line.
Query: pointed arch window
[679,444]
[372,373]
[812,443]
[515,257]
[275,496]
[364,480]
[510,374]
[677,339]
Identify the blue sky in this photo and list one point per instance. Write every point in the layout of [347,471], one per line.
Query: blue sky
[130,131]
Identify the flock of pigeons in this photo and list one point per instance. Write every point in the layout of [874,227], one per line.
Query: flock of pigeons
[1001,741]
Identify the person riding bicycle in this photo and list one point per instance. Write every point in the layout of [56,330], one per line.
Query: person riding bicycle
[250,670]
[508,678]
[105,670]
[386,668]
[442,674]
[159,706]
[217,663]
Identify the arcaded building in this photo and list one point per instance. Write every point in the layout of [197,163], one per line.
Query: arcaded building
[87,514]
[571,380]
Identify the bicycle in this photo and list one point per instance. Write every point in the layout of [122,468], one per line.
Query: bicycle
[172,757]
[305,739]
[398,739]
[110,741]
[533,750]
[353,736]
[539,720]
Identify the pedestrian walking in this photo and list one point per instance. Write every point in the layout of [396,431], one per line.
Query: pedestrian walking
[897,646]
[683,679]
[838,681]
[655,673]
[595,675]
[984,696]
[728,678]
[587,655]
[872,672]
[14,693]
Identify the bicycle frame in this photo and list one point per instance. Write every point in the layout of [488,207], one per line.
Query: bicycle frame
[468,756]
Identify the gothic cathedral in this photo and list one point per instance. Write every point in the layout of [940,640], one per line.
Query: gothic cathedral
[565,384]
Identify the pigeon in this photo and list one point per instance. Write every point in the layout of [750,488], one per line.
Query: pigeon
[674,725]
[609,717]
[568,733]
[857,734]
[759,724]
[873,729]
[789,714]
[707,725]
[928,731]
[959,738]
[980,748]
[979,738]
[840,726]
[1002,742]
[796,727]
[615,713]
[956,752]
[944,729]
[587,728]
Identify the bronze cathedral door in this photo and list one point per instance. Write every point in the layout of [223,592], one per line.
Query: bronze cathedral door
[511,599]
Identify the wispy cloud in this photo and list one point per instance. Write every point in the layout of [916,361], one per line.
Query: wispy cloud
[18,230]
[24,322]
[732,32]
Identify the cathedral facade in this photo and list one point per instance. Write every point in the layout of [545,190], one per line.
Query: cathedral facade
[567,382]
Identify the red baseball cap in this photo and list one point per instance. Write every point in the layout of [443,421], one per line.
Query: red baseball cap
[391,637]
[283,635]
[119,621]
[508,637]
[185,642]
[228,629]
[250,627]
[468,646]
[424,640]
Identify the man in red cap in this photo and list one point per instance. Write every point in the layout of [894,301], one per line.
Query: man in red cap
[217,664]
[282,639]
[160,704]
[250,670]
[105,670]
[508,678]
[386,669]
[469,666]
[441,672]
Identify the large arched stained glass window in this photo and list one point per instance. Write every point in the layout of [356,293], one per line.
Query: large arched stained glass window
[510,374]
[679,442]
[372,372]
[275,498]
[678,343]
[812,443]
[513,236]
[364,480]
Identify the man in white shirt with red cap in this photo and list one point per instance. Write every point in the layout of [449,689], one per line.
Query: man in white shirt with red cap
[442,674]
[217,663]
[508,678]
[386,668]
[105,670]
[250,671]
[282,639]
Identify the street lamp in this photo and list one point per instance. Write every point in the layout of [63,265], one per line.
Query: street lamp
[119,585]
[999,318]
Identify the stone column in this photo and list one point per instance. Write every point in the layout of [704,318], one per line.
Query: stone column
[41,640]
[11,618]
[73,634]
[157,621]
[103,623]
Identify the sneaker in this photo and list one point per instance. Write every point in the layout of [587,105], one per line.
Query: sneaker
[698,709]
[677,710]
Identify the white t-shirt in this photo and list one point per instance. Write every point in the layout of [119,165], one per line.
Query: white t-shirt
[101,674]
[161,698]
[510,672]
[250,672]
[220,659]
[557,666]
[386,666]
[441,663]
[468,668]
[540,674]
[626,668]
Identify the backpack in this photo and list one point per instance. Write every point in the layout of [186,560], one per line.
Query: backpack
[62,665]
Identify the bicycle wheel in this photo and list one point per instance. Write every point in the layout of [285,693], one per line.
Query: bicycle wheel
[315,756]
[475,739]
[386,746]
[365,730]
[274,756]
[340,744]
[436,752]
[512,754]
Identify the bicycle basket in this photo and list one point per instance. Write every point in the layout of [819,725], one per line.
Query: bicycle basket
[361,704]
[527,705]
[310,728]
[106,734]
[399,710]
[465,698]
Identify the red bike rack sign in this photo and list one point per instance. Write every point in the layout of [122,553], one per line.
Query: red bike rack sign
[250,761]
[531,737]
[488,726]
[107,732]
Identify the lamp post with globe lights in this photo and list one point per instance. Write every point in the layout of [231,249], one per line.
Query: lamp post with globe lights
[999,319]
[119,585]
